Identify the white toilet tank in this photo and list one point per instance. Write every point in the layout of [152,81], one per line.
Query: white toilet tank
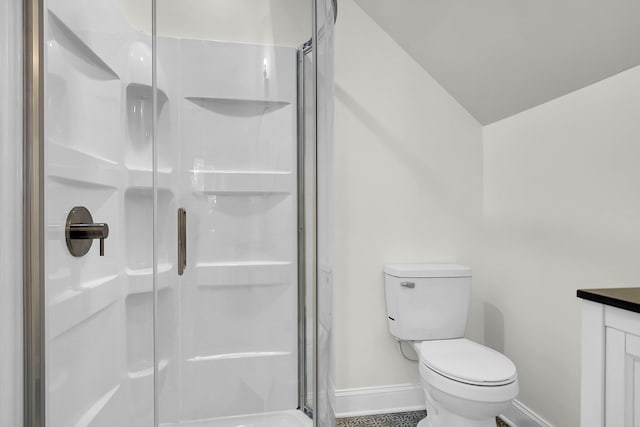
[427,301]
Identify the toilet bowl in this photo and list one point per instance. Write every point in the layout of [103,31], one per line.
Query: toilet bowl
[465,383]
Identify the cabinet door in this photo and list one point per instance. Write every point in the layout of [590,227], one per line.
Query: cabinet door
[622,401]
[633,377]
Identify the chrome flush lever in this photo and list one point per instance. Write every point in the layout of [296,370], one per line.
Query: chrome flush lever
[410,285]
[80,232]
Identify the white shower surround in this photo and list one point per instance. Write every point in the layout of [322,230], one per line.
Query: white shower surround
[227,330]
[238,296]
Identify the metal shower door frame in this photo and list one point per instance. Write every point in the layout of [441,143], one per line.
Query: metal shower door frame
[33,237]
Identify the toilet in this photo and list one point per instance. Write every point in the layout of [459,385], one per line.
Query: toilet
[465,384]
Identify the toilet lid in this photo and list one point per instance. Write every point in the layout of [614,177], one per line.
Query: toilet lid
[468,362]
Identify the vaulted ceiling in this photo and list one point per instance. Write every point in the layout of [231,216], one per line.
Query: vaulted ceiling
[501,57]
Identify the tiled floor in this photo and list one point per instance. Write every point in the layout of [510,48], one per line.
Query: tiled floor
[402,419]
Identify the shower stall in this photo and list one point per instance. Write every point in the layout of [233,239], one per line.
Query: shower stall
[177,246]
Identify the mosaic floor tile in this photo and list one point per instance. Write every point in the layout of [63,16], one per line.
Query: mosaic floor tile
[401,419]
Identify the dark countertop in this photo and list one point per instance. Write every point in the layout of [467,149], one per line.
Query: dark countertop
[624,298]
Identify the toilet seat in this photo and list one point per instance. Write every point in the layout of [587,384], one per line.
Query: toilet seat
[461,369]
[467,362]
[431,380]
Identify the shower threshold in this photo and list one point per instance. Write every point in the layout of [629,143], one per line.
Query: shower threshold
[293,418]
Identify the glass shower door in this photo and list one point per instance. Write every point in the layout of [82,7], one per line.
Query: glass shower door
[183,248]
[325,16]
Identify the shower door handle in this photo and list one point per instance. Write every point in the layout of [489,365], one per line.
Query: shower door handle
[182,240]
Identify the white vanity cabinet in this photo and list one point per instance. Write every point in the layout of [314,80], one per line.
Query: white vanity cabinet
[610,394]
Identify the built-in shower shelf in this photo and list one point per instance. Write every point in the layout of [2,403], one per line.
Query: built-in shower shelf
[237,107]
[247,273]
[241,182]
[148,372]
[74,306]
[75,167]
[240,355]
[90,415]
[143,178]
[141,280]
[92,64]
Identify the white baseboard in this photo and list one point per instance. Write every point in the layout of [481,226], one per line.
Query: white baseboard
[355,402]
[519,415]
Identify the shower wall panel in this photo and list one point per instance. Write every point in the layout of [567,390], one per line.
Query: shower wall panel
[99,309]
[238,165]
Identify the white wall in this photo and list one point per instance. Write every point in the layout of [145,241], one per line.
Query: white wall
[562,212]
[408,173]
[555,193]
